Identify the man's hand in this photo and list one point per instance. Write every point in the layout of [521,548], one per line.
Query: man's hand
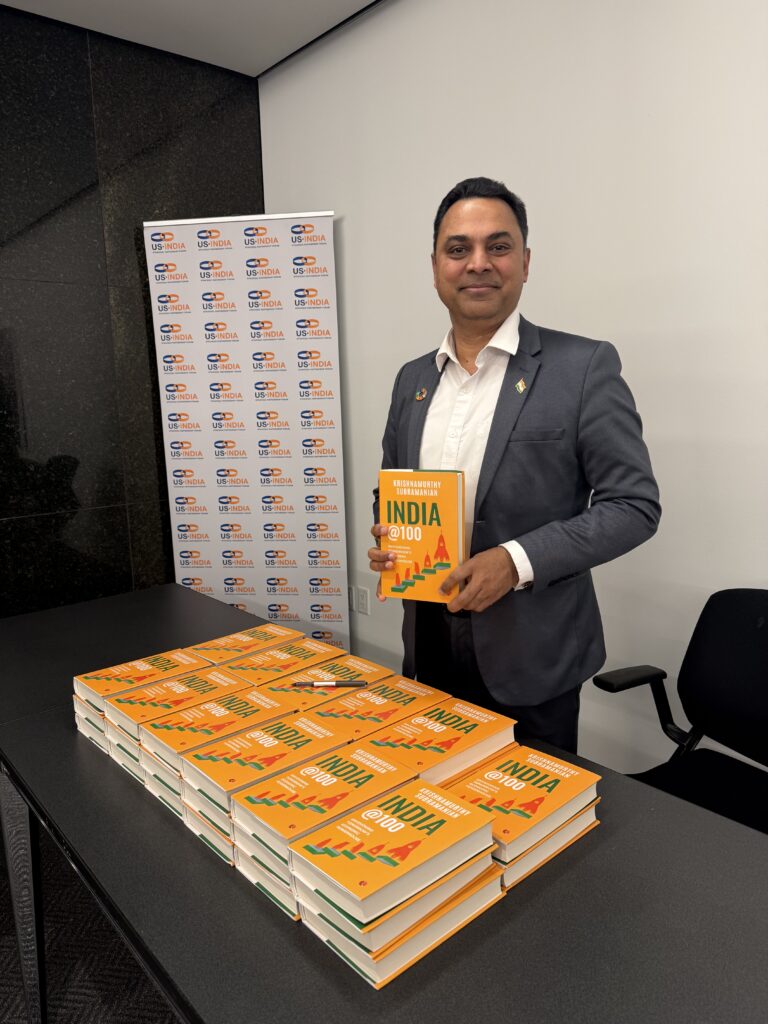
[380,560]
[488,576]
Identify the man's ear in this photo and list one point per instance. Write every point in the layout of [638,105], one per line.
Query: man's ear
[526,264]
[434,270]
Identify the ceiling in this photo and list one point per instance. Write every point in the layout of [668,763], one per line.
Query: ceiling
[243,35]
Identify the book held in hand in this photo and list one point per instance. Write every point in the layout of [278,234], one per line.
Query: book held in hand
[424,510]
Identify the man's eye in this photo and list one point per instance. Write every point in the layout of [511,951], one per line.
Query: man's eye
[498,249]
[457,250]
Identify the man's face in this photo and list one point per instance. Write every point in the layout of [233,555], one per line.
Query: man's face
[480,263]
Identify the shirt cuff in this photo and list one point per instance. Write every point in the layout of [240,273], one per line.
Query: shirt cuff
[522,564]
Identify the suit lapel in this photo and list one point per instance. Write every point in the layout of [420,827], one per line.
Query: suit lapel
[427,382]
[515,388]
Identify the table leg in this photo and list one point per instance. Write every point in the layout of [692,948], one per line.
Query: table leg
[22,853]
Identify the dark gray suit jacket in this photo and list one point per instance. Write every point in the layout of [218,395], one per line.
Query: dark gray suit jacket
[567,474]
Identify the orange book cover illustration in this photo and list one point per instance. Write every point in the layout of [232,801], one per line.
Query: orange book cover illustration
[226,765]
[529,793]
[345,669]
[244,642]
[389,700]
[94,686]
[175,734]
[284,660]
[424,510]
[440,741]
[132,709]
[384,852]
[293,803]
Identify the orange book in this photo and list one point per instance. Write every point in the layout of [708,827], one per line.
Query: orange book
[294,656]
[424,510]
[347,668]
[288,806]
[382,966]
[382,853]
[381,704]
[130,710]
[246,641]
[443,740]
[529,793]
[169,737]
[94,687]
[213,773]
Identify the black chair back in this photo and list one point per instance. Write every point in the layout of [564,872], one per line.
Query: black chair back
[723,681]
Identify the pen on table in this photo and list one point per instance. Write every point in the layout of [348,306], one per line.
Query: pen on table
[334,684]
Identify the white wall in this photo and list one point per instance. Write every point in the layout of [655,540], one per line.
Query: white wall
[636,134]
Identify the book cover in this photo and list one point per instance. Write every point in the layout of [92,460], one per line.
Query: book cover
[424,510]
[94,687]
[131,710]
[244,642]
[382,703]
[440,741]
[380,854]
[345,669]
[529,793]
[169,737]
[294,656]
[212,773]
[294,803]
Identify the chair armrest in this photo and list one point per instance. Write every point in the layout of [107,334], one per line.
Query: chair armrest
[627,678]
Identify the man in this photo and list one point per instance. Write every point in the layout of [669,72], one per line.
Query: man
[557,477]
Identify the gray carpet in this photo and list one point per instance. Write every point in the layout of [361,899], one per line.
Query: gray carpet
[92,977]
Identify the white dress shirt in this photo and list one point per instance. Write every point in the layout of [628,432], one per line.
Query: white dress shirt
[459,420]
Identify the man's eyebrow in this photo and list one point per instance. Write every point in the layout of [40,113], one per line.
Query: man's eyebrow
[491,238]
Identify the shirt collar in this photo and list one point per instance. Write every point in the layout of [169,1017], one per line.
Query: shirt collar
[506,339]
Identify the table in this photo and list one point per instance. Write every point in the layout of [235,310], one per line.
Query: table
[660,914]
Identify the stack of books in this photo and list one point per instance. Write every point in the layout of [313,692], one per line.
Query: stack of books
[540,805]
[165,740]
[443,740]
[92,689]
[386,883]
[268,816]
[383,813]
[212,774]
[128,712]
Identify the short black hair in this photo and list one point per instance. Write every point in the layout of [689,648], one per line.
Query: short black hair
[482,188]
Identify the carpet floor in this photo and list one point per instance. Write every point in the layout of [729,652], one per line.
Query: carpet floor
[92,977]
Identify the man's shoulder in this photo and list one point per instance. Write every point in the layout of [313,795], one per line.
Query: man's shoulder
[551,343]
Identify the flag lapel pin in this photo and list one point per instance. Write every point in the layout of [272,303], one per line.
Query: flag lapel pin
[520,386]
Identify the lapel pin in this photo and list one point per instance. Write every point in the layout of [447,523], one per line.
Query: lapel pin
[520,386]
[421,394]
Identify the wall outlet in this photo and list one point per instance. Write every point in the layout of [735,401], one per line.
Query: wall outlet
[352,599]
[364,600]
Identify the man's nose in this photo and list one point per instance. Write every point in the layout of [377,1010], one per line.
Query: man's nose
[478,259]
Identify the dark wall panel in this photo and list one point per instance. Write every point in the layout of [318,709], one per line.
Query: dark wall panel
[99,135]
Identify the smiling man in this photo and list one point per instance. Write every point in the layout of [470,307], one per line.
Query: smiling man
[557,477]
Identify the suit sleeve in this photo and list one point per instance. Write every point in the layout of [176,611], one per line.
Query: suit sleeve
[389,441]
[624,508]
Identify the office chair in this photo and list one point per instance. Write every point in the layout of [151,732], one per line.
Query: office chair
[723,687]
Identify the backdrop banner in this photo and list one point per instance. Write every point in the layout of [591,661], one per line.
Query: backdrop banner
[246,335]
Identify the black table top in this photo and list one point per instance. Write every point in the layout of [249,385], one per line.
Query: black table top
[660,914]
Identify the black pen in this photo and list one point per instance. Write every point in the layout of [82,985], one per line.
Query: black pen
[342,683]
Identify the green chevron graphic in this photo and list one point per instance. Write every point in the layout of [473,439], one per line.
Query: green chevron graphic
[406,584]
[407,746]
[230,760]
[346,714]
[496,809]
[265,801]
[181,728]
[321,851]
[143,703]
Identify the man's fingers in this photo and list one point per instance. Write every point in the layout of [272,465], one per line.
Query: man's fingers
[380,560]
[379,530]
[459,575]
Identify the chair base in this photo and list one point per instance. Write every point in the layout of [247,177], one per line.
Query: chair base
[719,783]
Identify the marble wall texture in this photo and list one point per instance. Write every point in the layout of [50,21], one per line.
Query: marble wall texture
[98,135]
